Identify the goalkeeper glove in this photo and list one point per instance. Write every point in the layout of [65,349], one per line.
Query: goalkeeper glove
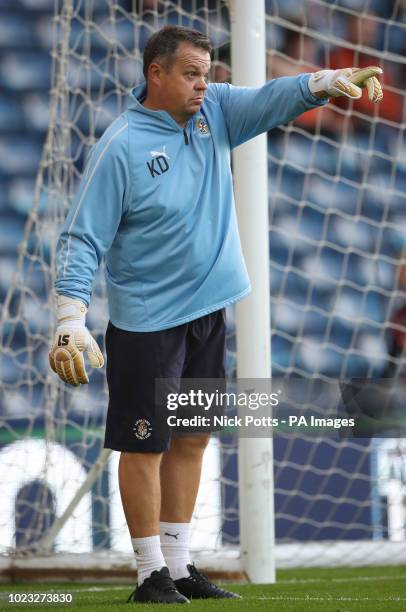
[347,82]
[72,338]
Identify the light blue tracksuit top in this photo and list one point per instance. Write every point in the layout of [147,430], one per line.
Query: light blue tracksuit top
[157,201]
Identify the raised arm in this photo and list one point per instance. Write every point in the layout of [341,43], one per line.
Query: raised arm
[252,111]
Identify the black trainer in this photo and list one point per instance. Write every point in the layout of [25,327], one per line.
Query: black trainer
[158,588]
[197,586]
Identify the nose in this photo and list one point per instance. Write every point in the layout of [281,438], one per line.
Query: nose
[202,84]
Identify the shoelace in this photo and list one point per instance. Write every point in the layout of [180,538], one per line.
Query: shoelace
[165,584]
[202,579]
[194,573]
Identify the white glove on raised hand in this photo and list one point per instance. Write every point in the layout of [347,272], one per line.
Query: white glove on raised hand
[71,339]
[347,82]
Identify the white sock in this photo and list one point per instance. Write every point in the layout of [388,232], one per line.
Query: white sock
[148,555]
[175,548]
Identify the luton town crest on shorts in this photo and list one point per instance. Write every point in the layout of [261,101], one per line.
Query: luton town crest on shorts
[142,429]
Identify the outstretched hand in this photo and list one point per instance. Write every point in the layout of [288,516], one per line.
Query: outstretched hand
[347,82]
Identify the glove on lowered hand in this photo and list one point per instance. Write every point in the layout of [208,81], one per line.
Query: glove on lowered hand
[71,339]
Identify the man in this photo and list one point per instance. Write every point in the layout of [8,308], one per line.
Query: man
[156,200]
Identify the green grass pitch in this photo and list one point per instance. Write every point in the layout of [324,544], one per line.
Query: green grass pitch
[311,590]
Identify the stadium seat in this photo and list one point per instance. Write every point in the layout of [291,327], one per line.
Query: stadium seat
[281,348]
[325,156]
[377,272]
[130,71]
[103,112]
[7,271]
[11,114]
[332,194]
[11,233]
[46,6]
[340,355]
[35,107]
[278,247]
[323,268]
[125,33]
[37,318]
[21,194]
[384,136]
[19,365]
[295,150]
[298,232]
[288,316]
[19,155]
[276,275]
[350,160]
[351,233]
[360,307]
[22,402]
[398,195]
[25,71]
[373,346]
[16,31]
[315,356]
[394,235]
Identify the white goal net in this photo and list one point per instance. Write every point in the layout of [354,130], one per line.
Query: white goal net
[337,182]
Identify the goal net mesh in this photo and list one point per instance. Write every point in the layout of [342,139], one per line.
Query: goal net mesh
[337,206]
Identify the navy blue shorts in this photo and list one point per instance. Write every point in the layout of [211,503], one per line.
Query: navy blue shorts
[136,422]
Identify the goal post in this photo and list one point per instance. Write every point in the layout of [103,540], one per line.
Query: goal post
[250,166]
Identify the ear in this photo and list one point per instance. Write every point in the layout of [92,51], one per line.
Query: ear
[155,71]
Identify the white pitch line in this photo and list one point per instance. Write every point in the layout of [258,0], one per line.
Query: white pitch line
[292,581]
[279,582]
[326,580]
[310,598]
